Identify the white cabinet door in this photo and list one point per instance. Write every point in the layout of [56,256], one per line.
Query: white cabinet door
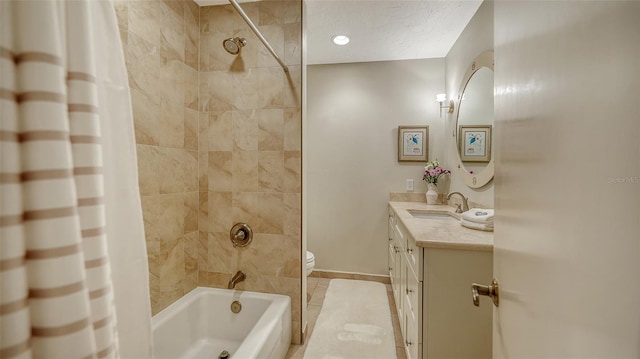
[567,182]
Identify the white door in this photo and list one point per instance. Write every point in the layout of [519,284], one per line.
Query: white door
[567,185]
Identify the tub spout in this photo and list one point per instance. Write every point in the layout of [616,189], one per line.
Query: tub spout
[237,278]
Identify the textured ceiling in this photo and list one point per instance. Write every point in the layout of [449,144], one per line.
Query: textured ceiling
[381,30]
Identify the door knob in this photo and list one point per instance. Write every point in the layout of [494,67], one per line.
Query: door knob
[489,290]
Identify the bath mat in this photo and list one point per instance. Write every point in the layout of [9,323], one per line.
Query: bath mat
[354,322]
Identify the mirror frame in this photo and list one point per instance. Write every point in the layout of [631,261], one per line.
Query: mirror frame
[473,180]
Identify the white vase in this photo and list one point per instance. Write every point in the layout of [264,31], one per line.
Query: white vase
[432,193]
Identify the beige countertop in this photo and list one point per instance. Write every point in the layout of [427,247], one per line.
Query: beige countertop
[446,234]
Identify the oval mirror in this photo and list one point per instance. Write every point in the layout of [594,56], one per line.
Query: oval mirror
[474,123]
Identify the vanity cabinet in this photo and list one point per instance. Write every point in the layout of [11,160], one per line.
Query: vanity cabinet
[432,293]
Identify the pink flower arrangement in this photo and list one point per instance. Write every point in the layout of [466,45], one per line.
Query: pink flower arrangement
[433,171]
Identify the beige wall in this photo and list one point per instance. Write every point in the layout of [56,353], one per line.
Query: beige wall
[161,48]
[353,114]
[476,38]
[250,150]
[219,142]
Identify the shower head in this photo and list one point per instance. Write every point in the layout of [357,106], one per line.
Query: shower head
[233,45]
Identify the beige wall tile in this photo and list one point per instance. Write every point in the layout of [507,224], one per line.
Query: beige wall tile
[191,87]
[143,20]
[293,267]
[124,37]
[222,256]
[171,129]
[292,172]
[168,297]
[220,171]
[203,255]
[191,209]
[292,11]
[173,7]
[172,264]
[172,75]
[296,332]
[143,65]
[245,171]
[270,129]
[122,14]
[220,131]
[191,53]
[203,211]
[190,282]
[275,34]
[203,171]
[293,88]
[292,129]
[203,53]
[148,170]
[221,218]
[172,33]
[192,13]
[191,129]
[271,85]
[266,255]
[245,130]
[178,170]
[203,91]
[146,118]
[271,213]
[245,89]
[163,216]
[203,131]
[219,19]
[270,171]
[216,280]
[293,44]
[245,208]
[293,215]
[270,12]
[153,252]
[219,89]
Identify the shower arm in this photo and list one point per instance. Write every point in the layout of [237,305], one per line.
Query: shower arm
[256,31]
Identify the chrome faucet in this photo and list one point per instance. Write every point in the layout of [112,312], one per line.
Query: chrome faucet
[237,278]
[465,203]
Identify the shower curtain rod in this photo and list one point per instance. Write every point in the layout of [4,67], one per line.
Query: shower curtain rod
[258,34]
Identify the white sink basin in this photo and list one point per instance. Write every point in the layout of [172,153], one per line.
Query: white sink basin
[416,213]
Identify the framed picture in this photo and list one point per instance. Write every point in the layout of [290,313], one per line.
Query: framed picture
[413,143]
[475,143]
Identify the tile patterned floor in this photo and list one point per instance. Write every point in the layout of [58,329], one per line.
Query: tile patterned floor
[316,290]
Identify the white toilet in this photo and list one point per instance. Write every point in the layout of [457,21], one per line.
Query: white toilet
[311,262]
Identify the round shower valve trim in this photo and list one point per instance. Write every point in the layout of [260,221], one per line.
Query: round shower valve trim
[241,235]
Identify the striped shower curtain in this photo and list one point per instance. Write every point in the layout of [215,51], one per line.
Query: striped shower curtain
[57,294]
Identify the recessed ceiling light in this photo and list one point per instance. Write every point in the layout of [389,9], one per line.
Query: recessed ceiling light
[340,40]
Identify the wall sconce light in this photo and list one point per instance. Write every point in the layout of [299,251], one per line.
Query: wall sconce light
[441,98]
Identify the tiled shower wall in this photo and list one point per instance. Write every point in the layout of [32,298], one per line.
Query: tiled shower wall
[219,142]
[160,41]
[250,150]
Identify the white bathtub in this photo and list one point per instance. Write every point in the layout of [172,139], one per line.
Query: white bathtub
[201,325]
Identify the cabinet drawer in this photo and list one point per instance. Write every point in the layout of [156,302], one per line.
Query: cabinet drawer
[412,294]
[392,262]
[412,345]
[414,254]
[400,236]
